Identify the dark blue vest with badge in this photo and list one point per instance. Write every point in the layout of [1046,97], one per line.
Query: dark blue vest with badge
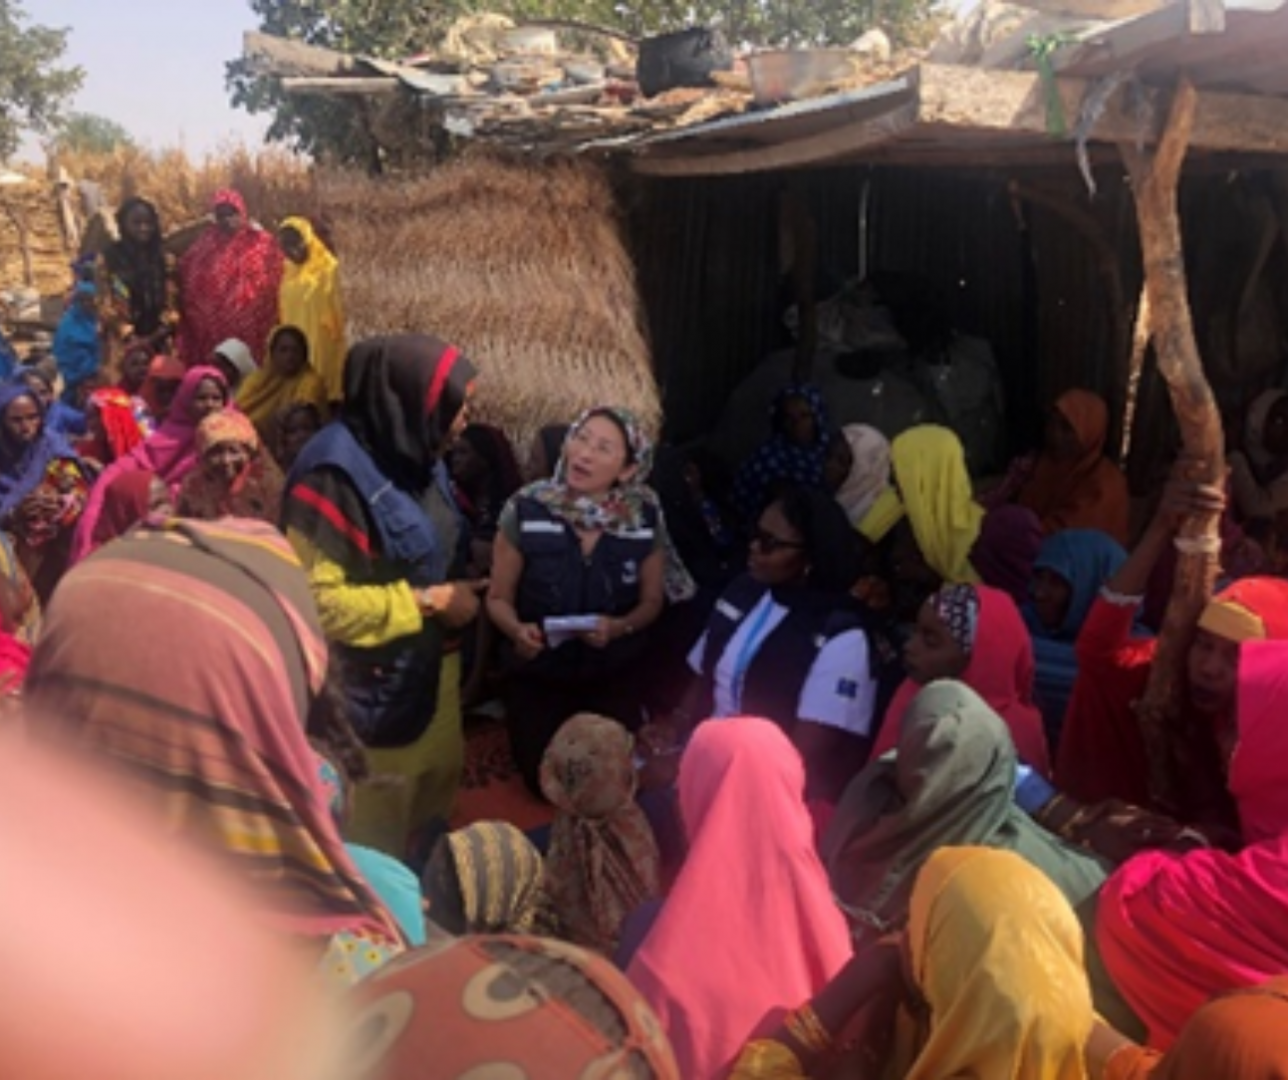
[558,579]
[773,682]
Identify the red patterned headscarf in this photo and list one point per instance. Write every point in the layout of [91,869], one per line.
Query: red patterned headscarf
[230,283]
[121,430]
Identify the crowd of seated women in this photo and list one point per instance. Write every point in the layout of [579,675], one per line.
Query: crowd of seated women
[841,751]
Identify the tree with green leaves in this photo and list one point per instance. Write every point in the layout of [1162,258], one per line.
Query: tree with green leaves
[34,83]
[90,133]
[393,29]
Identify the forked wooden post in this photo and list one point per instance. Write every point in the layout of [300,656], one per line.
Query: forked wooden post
[1155,176]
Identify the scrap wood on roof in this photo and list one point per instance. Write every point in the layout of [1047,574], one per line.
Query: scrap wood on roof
[1006,82]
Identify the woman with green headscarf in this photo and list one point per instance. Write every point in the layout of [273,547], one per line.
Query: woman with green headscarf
[950,783]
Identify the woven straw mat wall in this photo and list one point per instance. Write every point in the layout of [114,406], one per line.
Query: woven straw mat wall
[521,266]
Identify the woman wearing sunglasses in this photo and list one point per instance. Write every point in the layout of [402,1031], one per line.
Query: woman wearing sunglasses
[787,642]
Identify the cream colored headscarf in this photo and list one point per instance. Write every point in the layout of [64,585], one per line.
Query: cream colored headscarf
[870,473]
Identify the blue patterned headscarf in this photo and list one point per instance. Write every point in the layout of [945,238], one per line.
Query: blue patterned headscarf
[958,609]
[23,467]
[782,461]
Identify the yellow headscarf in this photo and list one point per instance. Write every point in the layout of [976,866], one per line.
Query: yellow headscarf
[996,952]
[935,490]
[265,395]
[310,299]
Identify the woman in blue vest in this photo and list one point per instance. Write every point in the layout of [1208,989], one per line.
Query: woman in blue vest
[786,642]
[370,511]
[588,543]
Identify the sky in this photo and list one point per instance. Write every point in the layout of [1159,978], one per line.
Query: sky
[157,66]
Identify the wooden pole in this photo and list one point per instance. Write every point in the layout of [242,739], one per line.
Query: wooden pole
[23,227]
[1135,364]
[1155,177]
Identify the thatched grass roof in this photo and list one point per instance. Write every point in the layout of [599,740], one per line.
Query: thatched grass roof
[520,265]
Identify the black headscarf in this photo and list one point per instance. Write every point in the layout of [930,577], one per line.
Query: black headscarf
[502,479]
[401,394]
[832,548]
[141,267]
[552,438]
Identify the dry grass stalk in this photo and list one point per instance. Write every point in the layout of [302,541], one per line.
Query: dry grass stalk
[521,265]
[274,183]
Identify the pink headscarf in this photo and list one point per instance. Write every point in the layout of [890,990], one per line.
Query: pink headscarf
[1175,930]
[1001,671]
[1259,767]
[170,452]
[750,929]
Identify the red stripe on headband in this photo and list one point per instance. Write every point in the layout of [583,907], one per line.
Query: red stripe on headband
[445,364]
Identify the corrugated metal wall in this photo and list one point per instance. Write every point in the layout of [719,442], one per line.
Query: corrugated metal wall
[1013,271]
[707,252]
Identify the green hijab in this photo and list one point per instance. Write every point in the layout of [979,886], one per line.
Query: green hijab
[949,784]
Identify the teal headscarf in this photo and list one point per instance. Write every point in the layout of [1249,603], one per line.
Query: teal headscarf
[76,340]
[1085,559]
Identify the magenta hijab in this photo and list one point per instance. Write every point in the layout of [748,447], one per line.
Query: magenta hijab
[170,452]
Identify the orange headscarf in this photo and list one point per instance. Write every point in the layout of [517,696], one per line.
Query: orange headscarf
[1236,1035]
[1089,492]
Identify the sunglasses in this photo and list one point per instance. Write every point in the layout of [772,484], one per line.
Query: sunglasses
[769,543]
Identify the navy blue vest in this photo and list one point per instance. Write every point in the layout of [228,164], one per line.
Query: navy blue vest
[558,579]
[392,689]
[773,682]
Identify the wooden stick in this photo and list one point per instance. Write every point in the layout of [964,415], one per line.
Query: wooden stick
[1155,177]
[339,85]
[1141,335]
